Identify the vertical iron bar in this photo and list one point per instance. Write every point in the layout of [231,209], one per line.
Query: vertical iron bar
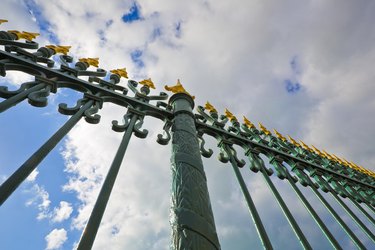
[191,217]
[360,208]
[298,232]
[92,226]
[353,216]
[11,101]
[250,203]
[11,184]
[370,207]
[349,232]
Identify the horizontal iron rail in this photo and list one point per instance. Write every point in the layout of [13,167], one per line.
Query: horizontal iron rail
[236,138]
[108,96]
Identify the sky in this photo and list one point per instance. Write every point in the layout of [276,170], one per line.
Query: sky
[302,67]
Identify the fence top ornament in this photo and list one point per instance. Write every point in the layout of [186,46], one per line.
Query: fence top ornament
[230,116]
[59,49]
[90,61]
[178,88]
[29,36]
[311,149]
[248,123]
[121,72]
[147,82]
[210,108]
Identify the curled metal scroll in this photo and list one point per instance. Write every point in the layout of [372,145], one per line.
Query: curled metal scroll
[163,139]
[204,152]
[5,93]
[65,110]
[137,128]
[39,98]
[91,115]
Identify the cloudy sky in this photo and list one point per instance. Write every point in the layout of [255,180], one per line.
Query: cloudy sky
[302,67]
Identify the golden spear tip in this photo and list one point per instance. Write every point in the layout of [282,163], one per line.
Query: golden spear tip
[121,72]
[210,107]
[229,115]
[90,61]
[59,48]
[148,82]
[178,88]
[248,123]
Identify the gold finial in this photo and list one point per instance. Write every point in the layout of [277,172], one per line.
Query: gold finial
[210,108]
[148,82]
[178,88]
[303,145]
[317,151]
[3,21]
[362,169]
[266,131]
[24,35]
[121,72]
[345,162]
[337,159]
[293,141]
[327,155]
[248,123]
[90,61]
[280,136]
[230,116]
[59,49]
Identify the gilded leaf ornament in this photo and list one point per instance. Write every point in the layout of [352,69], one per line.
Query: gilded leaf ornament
[121,72]
[148,82]
[90,61]
[178,88]
[59,49]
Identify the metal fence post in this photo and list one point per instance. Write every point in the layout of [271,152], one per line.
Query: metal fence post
[191,216]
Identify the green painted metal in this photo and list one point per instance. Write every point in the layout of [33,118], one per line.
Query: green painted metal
[191,218]
[293,223]
[11,184]
[285,173]
[332,211]
[92,226]
[250,203]
[13,100]
[350,212]
[191,215]
[351,195]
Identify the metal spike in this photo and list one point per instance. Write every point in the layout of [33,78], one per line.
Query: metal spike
[148,82]
[90,61]
[59,48]
[248,123]
[122,72]
[280,136]
[229,115]
[24,35]
[293,141]
[210,107]
[266,131]
[178,88]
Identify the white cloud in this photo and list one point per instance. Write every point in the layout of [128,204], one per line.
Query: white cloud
[62,212]
[56,238]
[235,54]
[33,175]
[41,200]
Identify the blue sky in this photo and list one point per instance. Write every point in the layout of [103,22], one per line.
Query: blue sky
[302,68]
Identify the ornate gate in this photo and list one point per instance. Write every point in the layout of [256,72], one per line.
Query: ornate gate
[192,220]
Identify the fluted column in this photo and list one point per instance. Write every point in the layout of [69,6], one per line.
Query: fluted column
[191,216]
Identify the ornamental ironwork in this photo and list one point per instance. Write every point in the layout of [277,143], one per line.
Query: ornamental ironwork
[192,220]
